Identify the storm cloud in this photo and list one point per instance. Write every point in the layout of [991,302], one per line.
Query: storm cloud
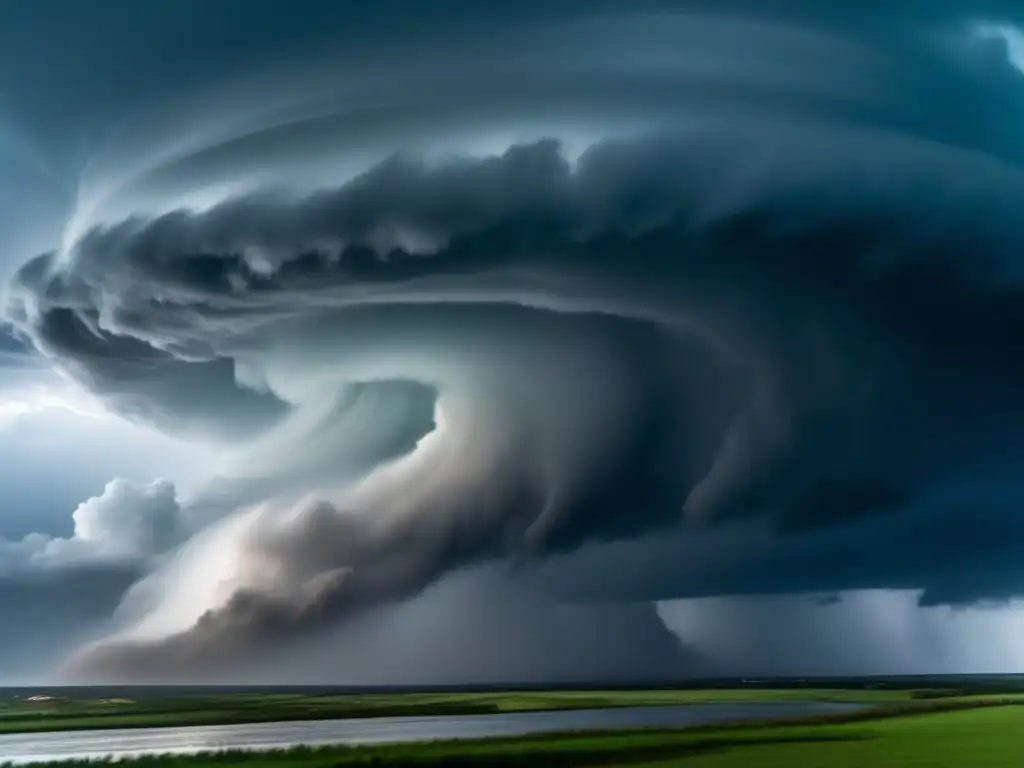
[703,302]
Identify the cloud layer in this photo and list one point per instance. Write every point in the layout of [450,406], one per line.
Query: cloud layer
[760,322]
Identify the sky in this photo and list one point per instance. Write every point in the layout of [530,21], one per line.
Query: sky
[405,343]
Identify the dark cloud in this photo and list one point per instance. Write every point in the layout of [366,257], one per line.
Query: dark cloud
[472,627]
[816,437]
[953,545]
[730,353]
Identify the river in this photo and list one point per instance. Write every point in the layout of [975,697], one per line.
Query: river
[66,745]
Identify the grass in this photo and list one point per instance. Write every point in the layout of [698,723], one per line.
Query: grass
[20,716]
[976,738]
[968,734]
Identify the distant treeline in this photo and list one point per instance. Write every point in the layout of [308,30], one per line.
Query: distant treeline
[947,685]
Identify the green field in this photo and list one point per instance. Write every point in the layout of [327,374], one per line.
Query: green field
[984,737]
[20,715]
[972,738]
